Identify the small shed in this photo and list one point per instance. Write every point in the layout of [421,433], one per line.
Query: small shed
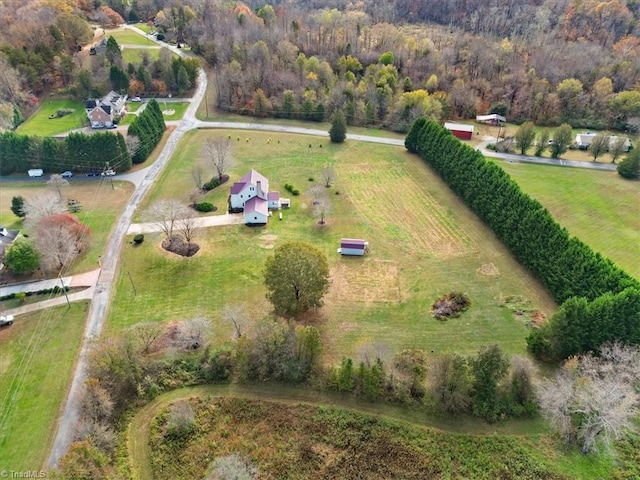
[460,130]
[285,203]
[493,119]
[352,246]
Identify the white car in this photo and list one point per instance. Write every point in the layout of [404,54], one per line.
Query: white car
[136,99]
[6,320]
[67,174]
[108,173]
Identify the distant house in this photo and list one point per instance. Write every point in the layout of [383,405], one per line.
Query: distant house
[460,130]
[352,246]
[101,112]
[7,237]
[583,141]
[251,195]
[493,119]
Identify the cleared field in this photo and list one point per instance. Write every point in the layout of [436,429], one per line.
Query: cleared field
[37,355]
[138,55]
[40,124]
[600,208]
[129,37]
[101,205]
[384,298]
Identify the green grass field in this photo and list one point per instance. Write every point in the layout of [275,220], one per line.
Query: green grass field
[145,27]
[40,124]
[135,55]
[37,356]
[178,109]
[423,242]
[129,37]
[601,208]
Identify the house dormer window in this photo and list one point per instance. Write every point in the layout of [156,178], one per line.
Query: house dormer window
[251,189]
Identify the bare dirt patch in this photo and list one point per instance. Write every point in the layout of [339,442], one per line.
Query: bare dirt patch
[168,112]
[268,241]
[488,270]
[369,281]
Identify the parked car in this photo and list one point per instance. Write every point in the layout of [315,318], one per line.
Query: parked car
[108,173]
[67,174]
[6,320]
[35,172]
[136,99]
[91,174]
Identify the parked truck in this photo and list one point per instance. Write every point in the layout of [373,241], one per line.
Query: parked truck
[36,172]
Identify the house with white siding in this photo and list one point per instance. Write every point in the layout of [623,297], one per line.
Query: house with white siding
[251,195]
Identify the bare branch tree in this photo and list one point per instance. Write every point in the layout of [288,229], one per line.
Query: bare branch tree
[617,147]
[597,400]
[217,152]
[40,206]
[236,315]
[165,213]
[193,333]
[195,197]
[321,209]
[59,240]
[186,224]
[57,184]
[232,466]
[329,176]
[197,174]
[146,333]
[133,143]
[599,145]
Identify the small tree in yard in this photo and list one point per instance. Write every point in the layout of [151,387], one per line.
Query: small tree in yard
[181,420]
[217,151]
[57,184]
[297,277]
[525,135]
[561,140]
[489,368]
[630,166]
[236,315]
[599,145]
[22,257]
[40,206]
[321,203]
[616,147]
[165,213]
[60,238]
[338,130]
[451,383]
[17,206]
[328,176]
[542,142]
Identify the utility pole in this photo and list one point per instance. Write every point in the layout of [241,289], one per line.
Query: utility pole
[64,290]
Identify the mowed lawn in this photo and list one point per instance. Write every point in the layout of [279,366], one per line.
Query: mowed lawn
[600,208]
[136,55]
[101,206]
[423,243]
[40,124]
[37,356]
[129,37]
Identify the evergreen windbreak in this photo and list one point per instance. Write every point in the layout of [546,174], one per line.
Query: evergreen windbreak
[565,265]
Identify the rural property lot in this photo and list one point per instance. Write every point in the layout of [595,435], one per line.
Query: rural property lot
[423,242]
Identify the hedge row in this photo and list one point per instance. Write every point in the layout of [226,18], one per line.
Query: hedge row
[149,127]
[566,266]
[45,291]
[77,152]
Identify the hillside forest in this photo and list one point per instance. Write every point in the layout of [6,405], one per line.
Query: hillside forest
[383,63]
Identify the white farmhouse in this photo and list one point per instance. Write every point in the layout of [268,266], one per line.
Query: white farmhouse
[251,195]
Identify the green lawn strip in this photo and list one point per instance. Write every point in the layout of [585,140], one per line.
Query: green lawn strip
[40,124]
[37,356]
[228,269]
[133,106]
[178,107]
[136,55]
[145,27]
[478,452]
[129,37]
[600,208]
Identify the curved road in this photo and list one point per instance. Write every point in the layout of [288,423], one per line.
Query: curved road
[102,293]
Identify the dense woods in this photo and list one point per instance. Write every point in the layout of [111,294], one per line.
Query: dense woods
[382,63]
[600,302]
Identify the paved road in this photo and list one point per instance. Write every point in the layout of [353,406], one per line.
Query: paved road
[97,313]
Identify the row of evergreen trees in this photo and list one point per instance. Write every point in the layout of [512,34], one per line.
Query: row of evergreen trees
[565,265]
[149,127]
[77,152]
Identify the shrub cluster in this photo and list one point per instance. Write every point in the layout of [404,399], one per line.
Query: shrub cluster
[138,239]
[450,305]
[566,266]
[78,151]
[291,189]
[149,127]
[210,185]
[55,290]
[204,207]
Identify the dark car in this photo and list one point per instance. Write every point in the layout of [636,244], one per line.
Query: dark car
[92,174]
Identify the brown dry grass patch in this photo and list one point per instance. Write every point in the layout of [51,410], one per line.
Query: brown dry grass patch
[488,270]
[368,281]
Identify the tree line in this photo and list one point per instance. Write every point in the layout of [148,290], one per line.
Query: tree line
[148,128]
[567,267]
